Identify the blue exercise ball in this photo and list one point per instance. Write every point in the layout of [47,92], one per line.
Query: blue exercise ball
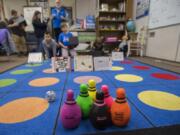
[131,26]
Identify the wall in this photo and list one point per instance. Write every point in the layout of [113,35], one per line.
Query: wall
[166,42]
[85,7]
[81,8]
[18,5]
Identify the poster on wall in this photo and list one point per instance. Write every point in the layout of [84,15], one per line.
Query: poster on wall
[142,8]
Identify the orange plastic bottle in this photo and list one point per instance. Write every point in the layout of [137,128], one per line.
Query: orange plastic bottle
[120,110]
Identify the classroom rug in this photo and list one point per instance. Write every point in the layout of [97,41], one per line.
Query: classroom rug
[152,93]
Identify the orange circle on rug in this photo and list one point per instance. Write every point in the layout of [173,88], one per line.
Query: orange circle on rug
[42,82]
[23,109]
[85,79]
[160,100]
[165,76]
[141,67]
[48,71]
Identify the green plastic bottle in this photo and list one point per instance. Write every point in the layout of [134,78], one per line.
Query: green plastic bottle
[84,101]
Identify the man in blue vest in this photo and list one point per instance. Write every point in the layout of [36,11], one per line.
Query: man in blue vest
[59,14]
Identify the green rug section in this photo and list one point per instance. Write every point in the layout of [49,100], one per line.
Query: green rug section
[33,65]
[6,82]
[23,71]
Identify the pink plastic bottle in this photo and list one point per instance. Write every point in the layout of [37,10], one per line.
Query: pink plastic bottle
[107,98]
[70,114]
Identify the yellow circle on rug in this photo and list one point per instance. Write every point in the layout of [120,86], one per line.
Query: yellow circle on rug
[23,109]
[48,71]
[116,68]
[42,82]
[160,100]
[128,78]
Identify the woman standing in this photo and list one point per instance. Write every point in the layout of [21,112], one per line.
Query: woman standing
[40,28]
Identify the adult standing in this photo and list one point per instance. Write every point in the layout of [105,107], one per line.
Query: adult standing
[59,14]
[17,26]
[40,28]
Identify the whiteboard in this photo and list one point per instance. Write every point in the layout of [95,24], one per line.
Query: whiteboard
[164,13]
[28,15]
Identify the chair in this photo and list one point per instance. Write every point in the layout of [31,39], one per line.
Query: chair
[137,42]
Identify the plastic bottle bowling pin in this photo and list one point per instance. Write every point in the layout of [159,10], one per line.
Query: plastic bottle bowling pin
[92,89]
[84,101]
[120,110]
[107,98]
[70,114]
[99,115]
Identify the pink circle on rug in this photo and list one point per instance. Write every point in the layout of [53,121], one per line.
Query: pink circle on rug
[141,67]
[165,76]
[85,79]
[127,62]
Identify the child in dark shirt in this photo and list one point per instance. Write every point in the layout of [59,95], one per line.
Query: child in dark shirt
[49,45]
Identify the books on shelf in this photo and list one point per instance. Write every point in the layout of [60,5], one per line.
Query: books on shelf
[122,6]
[104,7]
[111,39]
[90,22]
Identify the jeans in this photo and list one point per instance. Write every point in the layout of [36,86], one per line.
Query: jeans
[8,44]
[57,32]
[39,45]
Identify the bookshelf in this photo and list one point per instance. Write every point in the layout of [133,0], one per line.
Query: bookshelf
[111,19]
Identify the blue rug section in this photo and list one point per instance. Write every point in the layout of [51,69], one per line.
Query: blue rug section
[19,78]
[58,86]
[73,85]
[41,125]
[137,121]
[157,116]
[145,74]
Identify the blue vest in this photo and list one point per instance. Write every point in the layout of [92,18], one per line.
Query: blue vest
[57,16]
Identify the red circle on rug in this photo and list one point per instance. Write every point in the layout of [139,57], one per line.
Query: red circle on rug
[127,62]
[141,67]
[165,76]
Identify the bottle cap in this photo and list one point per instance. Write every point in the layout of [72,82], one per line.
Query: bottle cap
[70,97]
[120,95]
[92,83]
[105,90]
[84,90]
[99,97]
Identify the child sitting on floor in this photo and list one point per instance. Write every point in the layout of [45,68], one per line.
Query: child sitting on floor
[123,46]
[49,45]
[97,48]
[64,41]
